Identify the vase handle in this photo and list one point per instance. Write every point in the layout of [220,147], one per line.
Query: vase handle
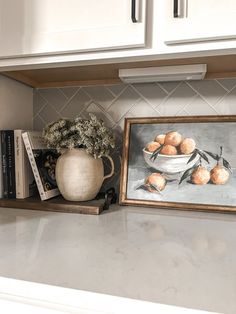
[112,168]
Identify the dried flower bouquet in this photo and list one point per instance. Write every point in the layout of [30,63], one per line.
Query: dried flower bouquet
[90,134]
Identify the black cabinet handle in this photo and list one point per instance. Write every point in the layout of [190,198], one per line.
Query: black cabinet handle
[176,8]
[133,11]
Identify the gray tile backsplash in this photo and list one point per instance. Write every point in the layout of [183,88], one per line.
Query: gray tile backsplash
[115,102]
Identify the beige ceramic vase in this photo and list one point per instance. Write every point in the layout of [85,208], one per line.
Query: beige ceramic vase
[79,176]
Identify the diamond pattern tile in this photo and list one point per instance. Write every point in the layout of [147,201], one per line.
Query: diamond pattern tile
[123,103]
[54,97]
[38,123]
[177,100]
[142,109]
[48,114]
[169,86]
[116,89]
[100,113]
[39,103]
[69,91]
[100,95]
[210,90]
[227,105]
[114,103]
[76,105]
[196,106]
[227,83]
[152,93]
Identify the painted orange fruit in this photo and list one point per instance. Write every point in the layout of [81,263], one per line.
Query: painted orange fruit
[219,175]
[173,138]
[160,138]
[152,146]
[157,180]
[200,176]
[187,146]
[169,150]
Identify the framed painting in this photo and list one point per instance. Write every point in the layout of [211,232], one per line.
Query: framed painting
[180,163]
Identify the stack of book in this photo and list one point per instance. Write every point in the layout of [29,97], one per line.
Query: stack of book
[27,165]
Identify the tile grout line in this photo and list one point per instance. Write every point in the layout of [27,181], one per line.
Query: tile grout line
[44,105]
[69,100]
[49,104]
[202,97]
[226,89]
[186,105]
[114,100]
[144,98]
[169,94]
[122,117]
[224,96]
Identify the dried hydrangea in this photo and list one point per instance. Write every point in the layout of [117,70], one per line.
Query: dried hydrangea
[90,134]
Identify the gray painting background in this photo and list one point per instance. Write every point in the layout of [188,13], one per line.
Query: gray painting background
[208,136]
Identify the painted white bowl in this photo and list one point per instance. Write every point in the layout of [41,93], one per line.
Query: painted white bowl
[170,163]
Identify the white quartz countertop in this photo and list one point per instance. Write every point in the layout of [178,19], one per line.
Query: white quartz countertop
[24,297]
[187,259]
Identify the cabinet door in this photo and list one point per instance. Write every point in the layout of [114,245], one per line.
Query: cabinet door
[33,27]
[189,21]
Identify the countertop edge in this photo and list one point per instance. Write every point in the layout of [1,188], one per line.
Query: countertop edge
[17,293]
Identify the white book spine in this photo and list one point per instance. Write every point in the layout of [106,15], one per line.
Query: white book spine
[34,166]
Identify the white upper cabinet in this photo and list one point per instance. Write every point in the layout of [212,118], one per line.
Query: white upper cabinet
[47,27]
[189,21]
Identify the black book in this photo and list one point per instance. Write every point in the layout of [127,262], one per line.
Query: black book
[8,164]
[11,164]
[4,164]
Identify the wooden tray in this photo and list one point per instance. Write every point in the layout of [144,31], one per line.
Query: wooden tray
[56,204]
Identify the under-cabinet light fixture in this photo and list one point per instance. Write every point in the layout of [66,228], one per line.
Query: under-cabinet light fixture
[163,73]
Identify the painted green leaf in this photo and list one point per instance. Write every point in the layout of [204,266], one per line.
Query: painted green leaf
[146,186]
[171,180]
[142,187]
[227,165]
[193,156]
[212,155]
[154,187]
[156,153]
[203,155]
[187,174]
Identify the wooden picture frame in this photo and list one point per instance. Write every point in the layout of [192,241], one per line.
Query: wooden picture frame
[209,133]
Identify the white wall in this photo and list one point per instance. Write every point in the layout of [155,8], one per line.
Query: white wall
[16,105]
